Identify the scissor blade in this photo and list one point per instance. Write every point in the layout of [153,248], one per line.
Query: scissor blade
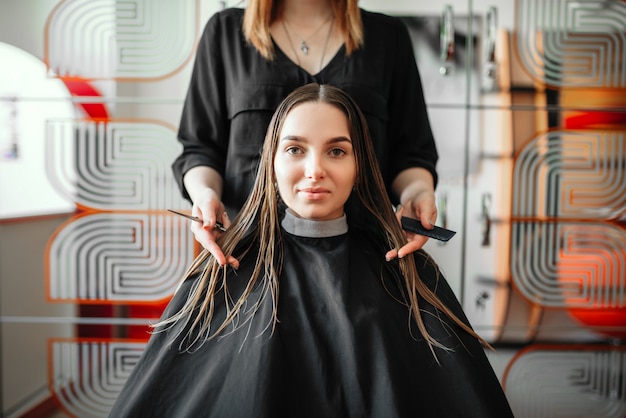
[218,225]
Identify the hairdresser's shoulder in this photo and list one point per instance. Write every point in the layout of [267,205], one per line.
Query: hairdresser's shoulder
[376,21]
[229,13]
[230,17]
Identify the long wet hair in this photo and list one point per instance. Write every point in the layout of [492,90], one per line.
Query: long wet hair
[258,226]
[260,14]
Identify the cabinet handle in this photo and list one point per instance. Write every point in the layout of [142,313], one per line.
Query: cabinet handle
[486,205]
[446,36]
[443,209]
[492,29]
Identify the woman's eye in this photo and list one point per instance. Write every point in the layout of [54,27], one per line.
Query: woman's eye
[337,152]
[293,150]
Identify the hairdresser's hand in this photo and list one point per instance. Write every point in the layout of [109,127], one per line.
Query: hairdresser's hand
[422,206]
[210,209]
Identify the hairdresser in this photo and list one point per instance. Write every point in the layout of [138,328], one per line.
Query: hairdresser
[249,59]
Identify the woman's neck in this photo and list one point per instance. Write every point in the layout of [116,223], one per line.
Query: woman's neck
[306,13]
[307,34]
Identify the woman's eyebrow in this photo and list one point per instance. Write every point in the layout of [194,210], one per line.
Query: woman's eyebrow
[303,139]
[339,139]
[292,138]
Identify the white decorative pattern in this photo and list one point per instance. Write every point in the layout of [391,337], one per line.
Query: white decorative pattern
[571,175]
[109,257]
[570,264]
[573,43]
[87,377]
[113,165]
[548,383]
[120,39]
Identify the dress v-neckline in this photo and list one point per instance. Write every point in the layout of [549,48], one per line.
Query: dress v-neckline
[281,53]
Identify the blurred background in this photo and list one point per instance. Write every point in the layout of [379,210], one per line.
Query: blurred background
[527,99]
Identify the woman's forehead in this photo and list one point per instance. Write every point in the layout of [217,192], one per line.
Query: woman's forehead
[317,117]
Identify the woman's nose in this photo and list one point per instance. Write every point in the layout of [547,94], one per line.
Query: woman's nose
[314,167]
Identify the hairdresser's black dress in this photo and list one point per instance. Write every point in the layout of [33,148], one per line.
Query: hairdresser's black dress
[234,91]
[342,347]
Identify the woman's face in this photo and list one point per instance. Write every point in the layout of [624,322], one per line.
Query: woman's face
[315,165]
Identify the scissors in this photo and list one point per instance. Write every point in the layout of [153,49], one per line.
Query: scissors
[218,225]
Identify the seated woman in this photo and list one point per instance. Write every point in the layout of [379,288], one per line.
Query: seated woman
[315,322]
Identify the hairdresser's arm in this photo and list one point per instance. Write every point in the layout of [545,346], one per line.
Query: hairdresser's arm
[204,186]
[416,191]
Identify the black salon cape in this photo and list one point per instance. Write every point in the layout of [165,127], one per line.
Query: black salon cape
[342,348]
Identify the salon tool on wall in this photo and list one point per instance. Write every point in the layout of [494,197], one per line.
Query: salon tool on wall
[447,41]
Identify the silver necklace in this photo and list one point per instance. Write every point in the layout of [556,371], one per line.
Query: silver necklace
[330,31]
[304,46]
[293,49]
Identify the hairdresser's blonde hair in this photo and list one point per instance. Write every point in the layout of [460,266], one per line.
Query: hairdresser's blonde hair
[260,14]
[258,224]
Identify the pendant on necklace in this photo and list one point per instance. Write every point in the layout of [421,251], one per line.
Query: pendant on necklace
[304,48]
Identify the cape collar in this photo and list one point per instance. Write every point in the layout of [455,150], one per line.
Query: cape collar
[314,229]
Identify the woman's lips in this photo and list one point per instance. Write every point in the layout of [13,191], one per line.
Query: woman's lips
[314,193]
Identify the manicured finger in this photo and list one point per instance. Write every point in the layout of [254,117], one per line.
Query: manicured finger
[391,254]
[413,245]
